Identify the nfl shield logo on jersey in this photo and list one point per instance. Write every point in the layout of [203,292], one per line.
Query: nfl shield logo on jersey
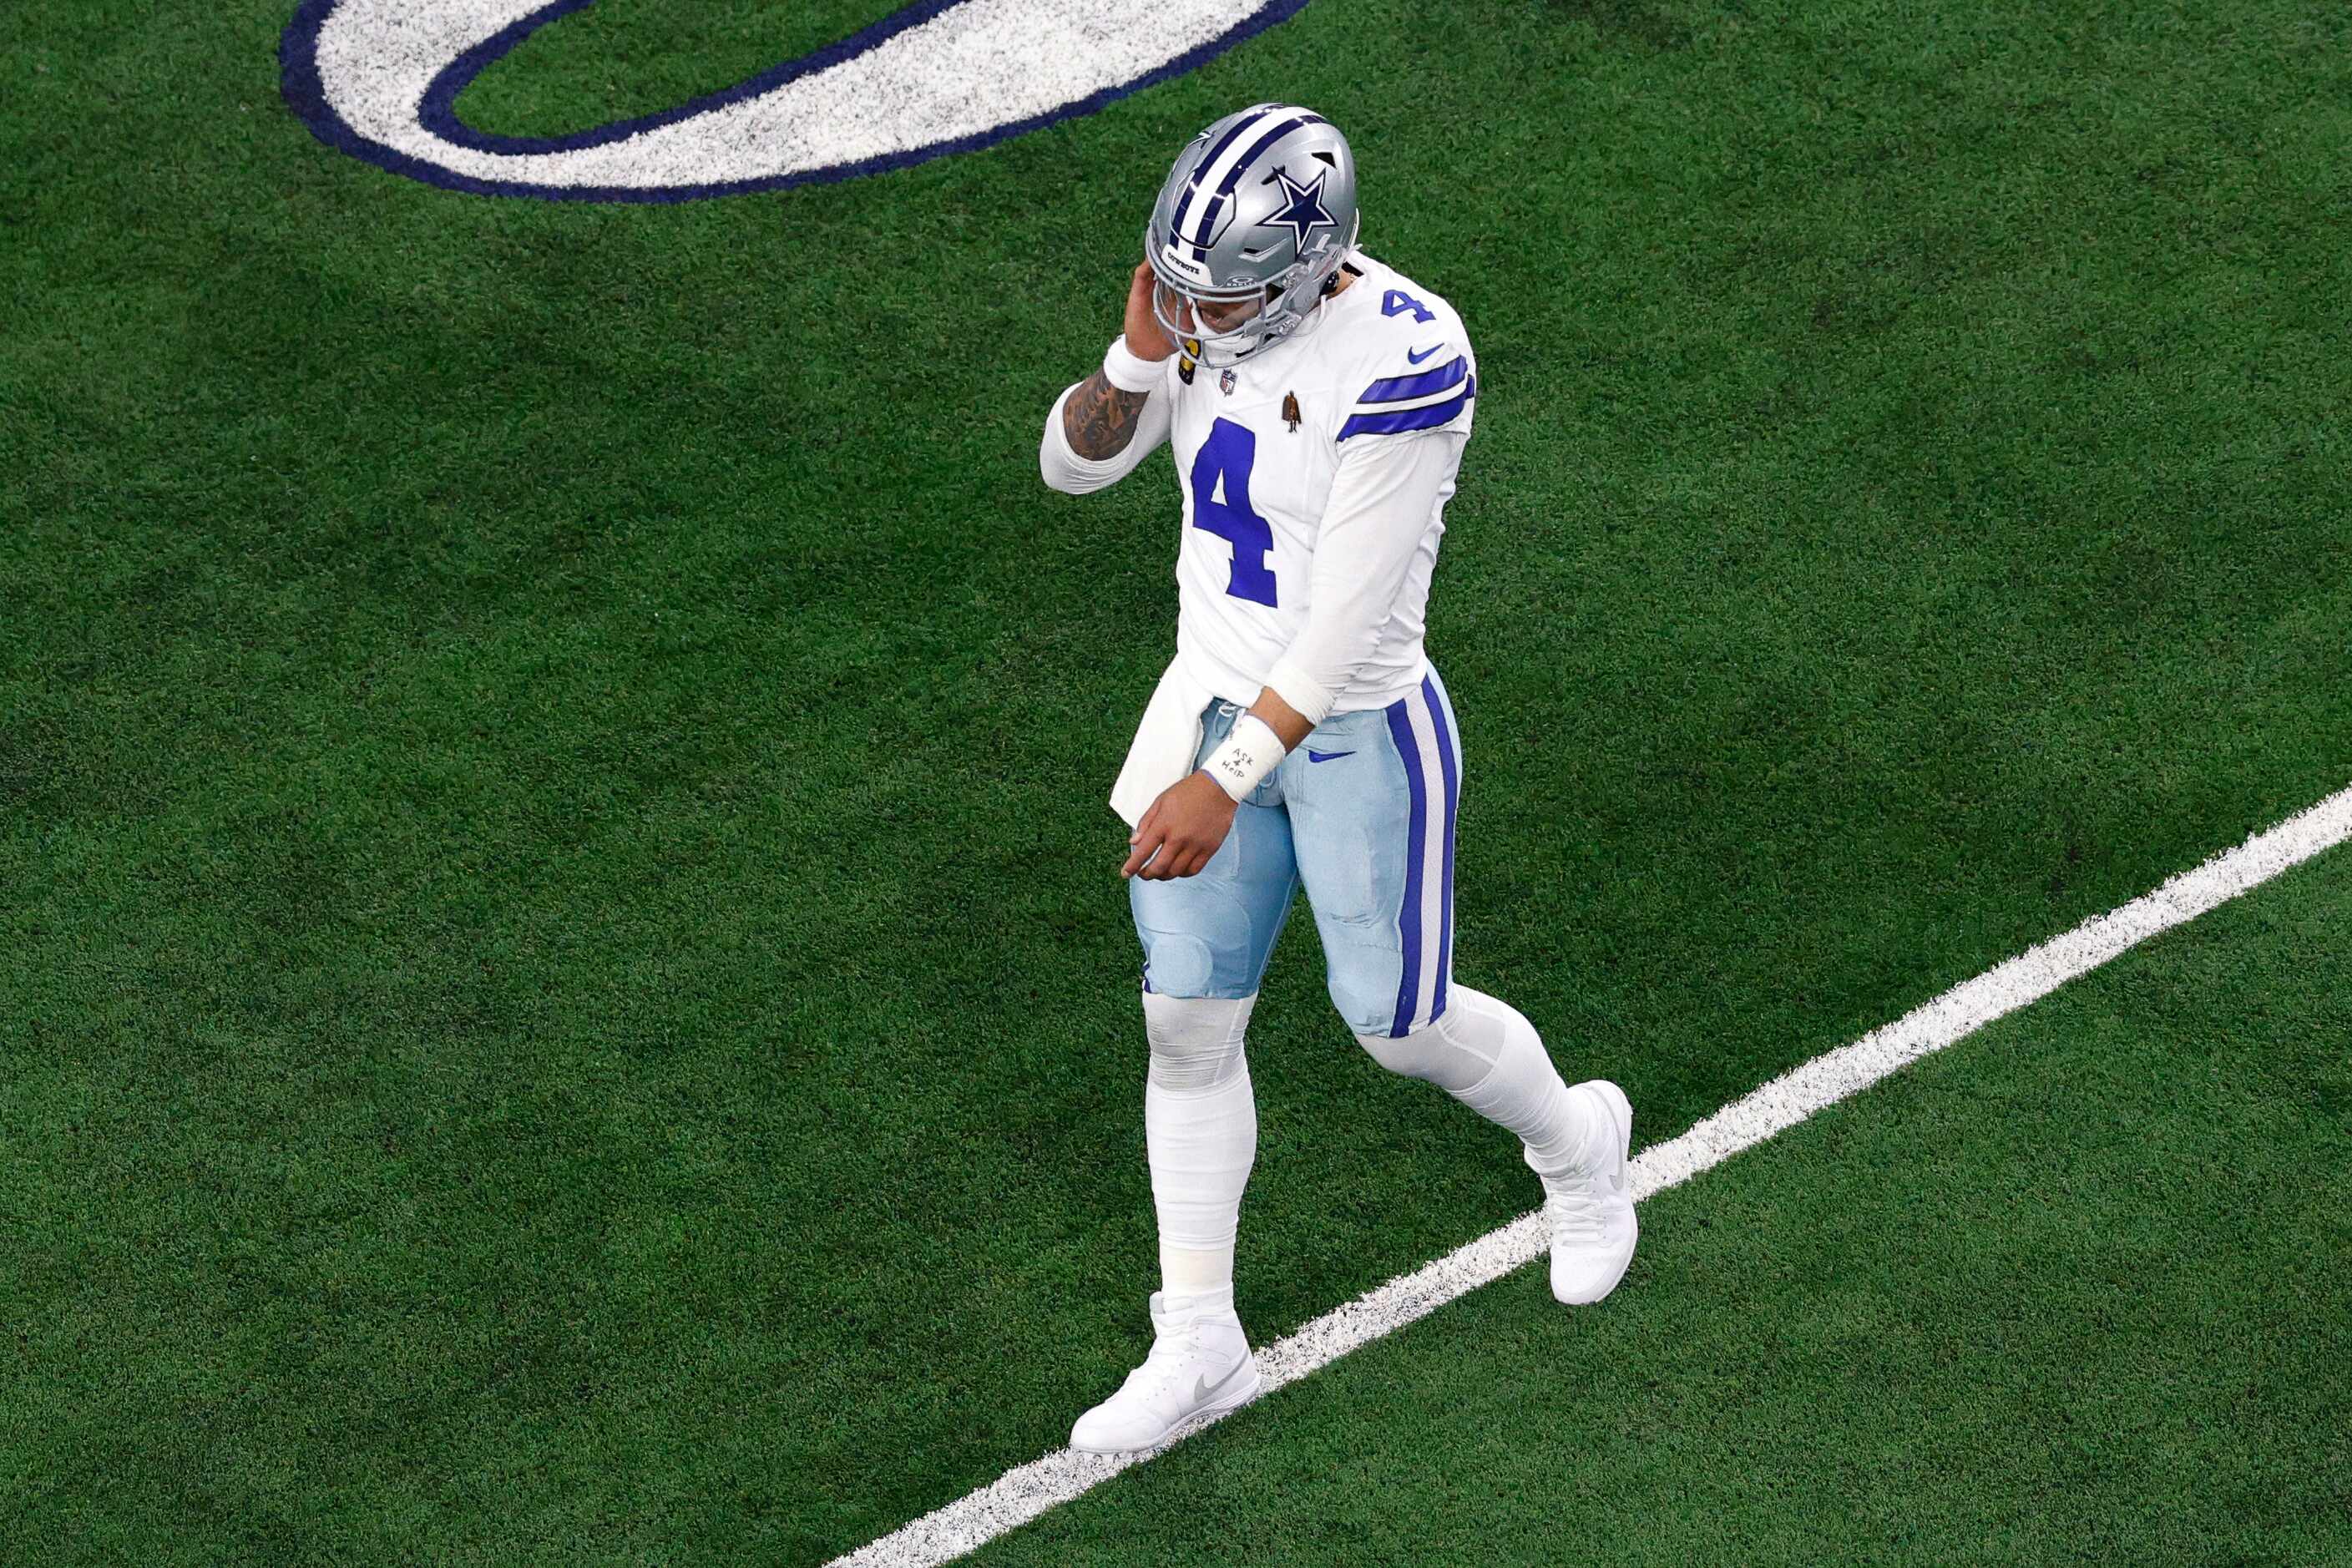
[1225,384]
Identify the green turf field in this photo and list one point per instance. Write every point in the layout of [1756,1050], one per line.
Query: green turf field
[564,989]
[2071,1292]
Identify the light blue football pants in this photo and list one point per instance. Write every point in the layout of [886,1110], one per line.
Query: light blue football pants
[1362,814]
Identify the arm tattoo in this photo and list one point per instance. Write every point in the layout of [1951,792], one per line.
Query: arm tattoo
[1099,419]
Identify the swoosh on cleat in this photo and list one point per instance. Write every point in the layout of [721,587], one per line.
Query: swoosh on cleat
[1202,1388]
[1025,1492]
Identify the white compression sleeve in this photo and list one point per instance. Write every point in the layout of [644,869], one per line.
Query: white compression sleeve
[1200,1125]
[1485,1054]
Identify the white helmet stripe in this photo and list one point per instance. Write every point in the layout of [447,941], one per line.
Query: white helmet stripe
[1213,170]
[1215,203]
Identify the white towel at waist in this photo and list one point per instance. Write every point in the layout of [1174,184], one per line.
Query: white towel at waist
[1165,743]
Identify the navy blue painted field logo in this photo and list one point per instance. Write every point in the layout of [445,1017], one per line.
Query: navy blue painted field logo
[381,78]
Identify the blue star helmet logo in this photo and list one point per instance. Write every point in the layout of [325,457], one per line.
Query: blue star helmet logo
[1302,211]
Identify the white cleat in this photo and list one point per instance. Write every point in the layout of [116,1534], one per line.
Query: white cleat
[1592,1210]
[1200,1366]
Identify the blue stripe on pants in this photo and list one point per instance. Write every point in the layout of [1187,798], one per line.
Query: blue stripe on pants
[1441,724]
[1416,842]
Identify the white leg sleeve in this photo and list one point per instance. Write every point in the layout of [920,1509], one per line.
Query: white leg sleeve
[1484,1053]
[1200,1122]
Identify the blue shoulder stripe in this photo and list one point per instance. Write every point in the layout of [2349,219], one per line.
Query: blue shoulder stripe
[1428,416]
[1400,388]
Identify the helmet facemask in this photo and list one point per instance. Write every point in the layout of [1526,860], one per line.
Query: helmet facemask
[1219,326]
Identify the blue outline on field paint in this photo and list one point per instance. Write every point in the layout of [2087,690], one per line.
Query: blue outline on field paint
[305,93]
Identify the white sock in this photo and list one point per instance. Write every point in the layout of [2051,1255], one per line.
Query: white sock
[1485,1053]
[1213,1302]
[1200,1125]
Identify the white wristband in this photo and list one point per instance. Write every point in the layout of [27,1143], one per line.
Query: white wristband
[1249,753]
[1129,371]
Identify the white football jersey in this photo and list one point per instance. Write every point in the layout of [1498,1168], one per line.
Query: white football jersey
[1257,448]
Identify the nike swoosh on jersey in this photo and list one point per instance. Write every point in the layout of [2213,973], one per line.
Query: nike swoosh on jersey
[1203,1388]
[1315,757]
[1416,358]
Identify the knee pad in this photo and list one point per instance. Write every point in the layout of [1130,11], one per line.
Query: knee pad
[1179,964]
[1196,1041]
[1365,996]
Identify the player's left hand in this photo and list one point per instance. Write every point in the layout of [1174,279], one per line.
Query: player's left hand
[1182,830]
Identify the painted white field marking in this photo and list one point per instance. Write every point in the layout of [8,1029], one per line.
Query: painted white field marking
[378,77]
[1021,1495]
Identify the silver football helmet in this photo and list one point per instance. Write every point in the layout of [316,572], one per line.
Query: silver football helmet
[1249,229]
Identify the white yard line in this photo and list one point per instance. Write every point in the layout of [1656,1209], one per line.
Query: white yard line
[1022,1494]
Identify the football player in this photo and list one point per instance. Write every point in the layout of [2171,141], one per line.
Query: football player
[1318,403]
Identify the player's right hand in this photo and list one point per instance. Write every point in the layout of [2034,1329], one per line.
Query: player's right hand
[1180,830]
[1144,338]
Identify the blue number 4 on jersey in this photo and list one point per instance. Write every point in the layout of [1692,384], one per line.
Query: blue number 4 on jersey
[1221,505]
